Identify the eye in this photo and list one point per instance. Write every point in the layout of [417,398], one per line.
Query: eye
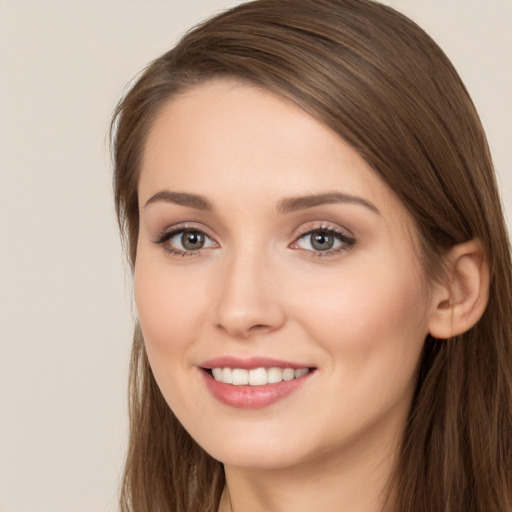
[189,240]
[185,241]
[324,240]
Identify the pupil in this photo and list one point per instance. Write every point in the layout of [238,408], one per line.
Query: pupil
[322,241]
[192,240]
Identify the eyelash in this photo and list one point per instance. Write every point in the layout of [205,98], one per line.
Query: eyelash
[164,238]
[347,242]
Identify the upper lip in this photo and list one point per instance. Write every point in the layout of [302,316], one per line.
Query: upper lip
[251,363]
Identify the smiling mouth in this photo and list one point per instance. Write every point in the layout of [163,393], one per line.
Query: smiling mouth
[257,376]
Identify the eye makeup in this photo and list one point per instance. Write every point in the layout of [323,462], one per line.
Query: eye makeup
[316,240]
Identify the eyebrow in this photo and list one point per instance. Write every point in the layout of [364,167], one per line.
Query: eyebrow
[288,205]
[294,204]
[181,198]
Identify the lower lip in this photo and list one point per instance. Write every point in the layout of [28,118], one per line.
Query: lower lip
[252,397]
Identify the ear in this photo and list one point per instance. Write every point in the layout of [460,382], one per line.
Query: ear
[460,301]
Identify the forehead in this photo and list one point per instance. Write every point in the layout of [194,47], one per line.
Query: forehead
[227,140]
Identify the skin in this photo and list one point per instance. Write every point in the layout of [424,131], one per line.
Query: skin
[358,315]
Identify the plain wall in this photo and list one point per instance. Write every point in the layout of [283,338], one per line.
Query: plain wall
[65,301]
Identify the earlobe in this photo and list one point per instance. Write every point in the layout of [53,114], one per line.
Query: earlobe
[459,303]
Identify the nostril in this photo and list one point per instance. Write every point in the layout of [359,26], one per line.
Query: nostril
[259,327]
[243,329]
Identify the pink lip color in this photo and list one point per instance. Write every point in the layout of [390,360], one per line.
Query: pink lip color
[251,397]
[250,363]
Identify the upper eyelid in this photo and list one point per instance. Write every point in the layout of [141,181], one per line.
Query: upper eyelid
[336,233]
[305,229]
[186,226]
[163,238]
[309,227]
[343,234]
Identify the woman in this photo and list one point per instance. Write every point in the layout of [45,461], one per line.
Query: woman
[321,268]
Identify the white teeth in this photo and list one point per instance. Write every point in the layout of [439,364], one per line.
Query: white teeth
[227,375]
[301,372]
[256,376]
[240,377]
[274,375]
[217,373]
[288,374]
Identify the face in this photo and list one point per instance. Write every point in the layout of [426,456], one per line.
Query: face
[282,305]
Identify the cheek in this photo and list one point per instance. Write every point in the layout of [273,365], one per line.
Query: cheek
[371,327]
[171,319]
[168,305]
[369,315]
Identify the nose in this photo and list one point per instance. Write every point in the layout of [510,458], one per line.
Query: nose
[250,297]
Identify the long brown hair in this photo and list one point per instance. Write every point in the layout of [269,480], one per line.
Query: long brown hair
[386,88]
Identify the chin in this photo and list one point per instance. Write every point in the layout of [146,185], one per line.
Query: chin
[262,449]
[258,457]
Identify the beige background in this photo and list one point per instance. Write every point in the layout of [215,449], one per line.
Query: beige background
[64,301]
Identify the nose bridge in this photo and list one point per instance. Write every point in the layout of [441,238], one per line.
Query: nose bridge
[248,299]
